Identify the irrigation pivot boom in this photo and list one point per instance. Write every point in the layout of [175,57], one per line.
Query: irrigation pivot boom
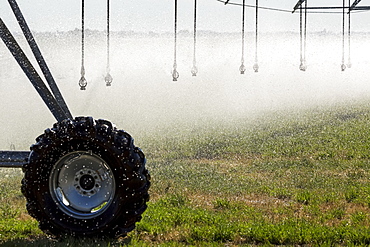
[85,177]
[82,177]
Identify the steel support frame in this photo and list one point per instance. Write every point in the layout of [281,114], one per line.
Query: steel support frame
[31,73]
[39,58]
[13,159]
[298,5]
[338,7]
[354,4]
[53,99]
[351,8]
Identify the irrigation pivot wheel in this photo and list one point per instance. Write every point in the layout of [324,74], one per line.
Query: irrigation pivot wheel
[86,178]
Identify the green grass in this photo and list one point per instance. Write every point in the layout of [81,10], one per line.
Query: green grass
[297,177]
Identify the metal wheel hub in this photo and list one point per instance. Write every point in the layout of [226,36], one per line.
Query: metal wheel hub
[87,182]
[82,184]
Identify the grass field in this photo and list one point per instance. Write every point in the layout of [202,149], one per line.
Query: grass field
[293,177]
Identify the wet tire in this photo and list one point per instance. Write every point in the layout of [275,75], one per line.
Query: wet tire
[86,178]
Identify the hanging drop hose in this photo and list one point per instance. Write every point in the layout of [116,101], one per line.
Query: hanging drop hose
[108,78]
[83,82]
[175,74]
[255,66]
[194,69]
[343,66]
[300,37]
[242,67]
[303,37]
[349,65]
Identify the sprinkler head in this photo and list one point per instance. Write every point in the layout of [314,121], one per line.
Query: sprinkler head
[302,67]
[175,75]
[82,83]
[256,67]
[194,71]
[242,69]
[343,67]
[108,80]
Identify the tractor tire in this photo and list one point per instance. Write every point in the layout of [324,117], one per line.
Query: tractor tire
[85,178]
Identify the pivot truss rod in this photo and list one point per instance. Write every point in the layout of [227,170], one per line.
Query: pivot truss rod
[39,58]
[53,99]
[31,73]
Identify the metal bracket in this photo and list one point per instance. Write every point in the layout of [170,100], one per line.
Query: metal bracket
[299,3]
[13,159]
[354,4]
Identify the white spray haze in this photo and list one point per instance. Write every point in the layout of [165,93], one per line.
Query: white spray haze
[144,98]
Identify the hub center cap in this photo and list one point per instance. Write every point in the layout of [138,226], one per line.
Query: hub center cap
[87,182]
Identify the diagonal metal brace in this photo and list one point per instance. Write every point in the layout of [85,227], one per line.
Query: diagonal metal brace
[31,73]
[39,58]
[299,3]
[354,4]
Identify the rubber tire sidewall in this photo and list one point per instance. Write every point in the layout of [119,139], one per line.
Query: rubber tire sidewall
[121,159]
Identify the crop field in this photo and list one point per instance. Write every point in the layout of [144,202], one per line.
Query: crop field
[290,177]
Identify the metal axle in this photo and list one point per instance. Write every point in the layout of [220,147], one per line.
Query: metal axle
[13,159]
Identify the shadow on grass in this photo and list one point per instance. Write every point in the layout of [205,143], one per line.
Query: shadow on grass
[70,241]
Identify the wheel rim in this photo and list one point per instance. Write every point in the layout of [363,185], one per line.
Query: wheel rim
[82,184]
